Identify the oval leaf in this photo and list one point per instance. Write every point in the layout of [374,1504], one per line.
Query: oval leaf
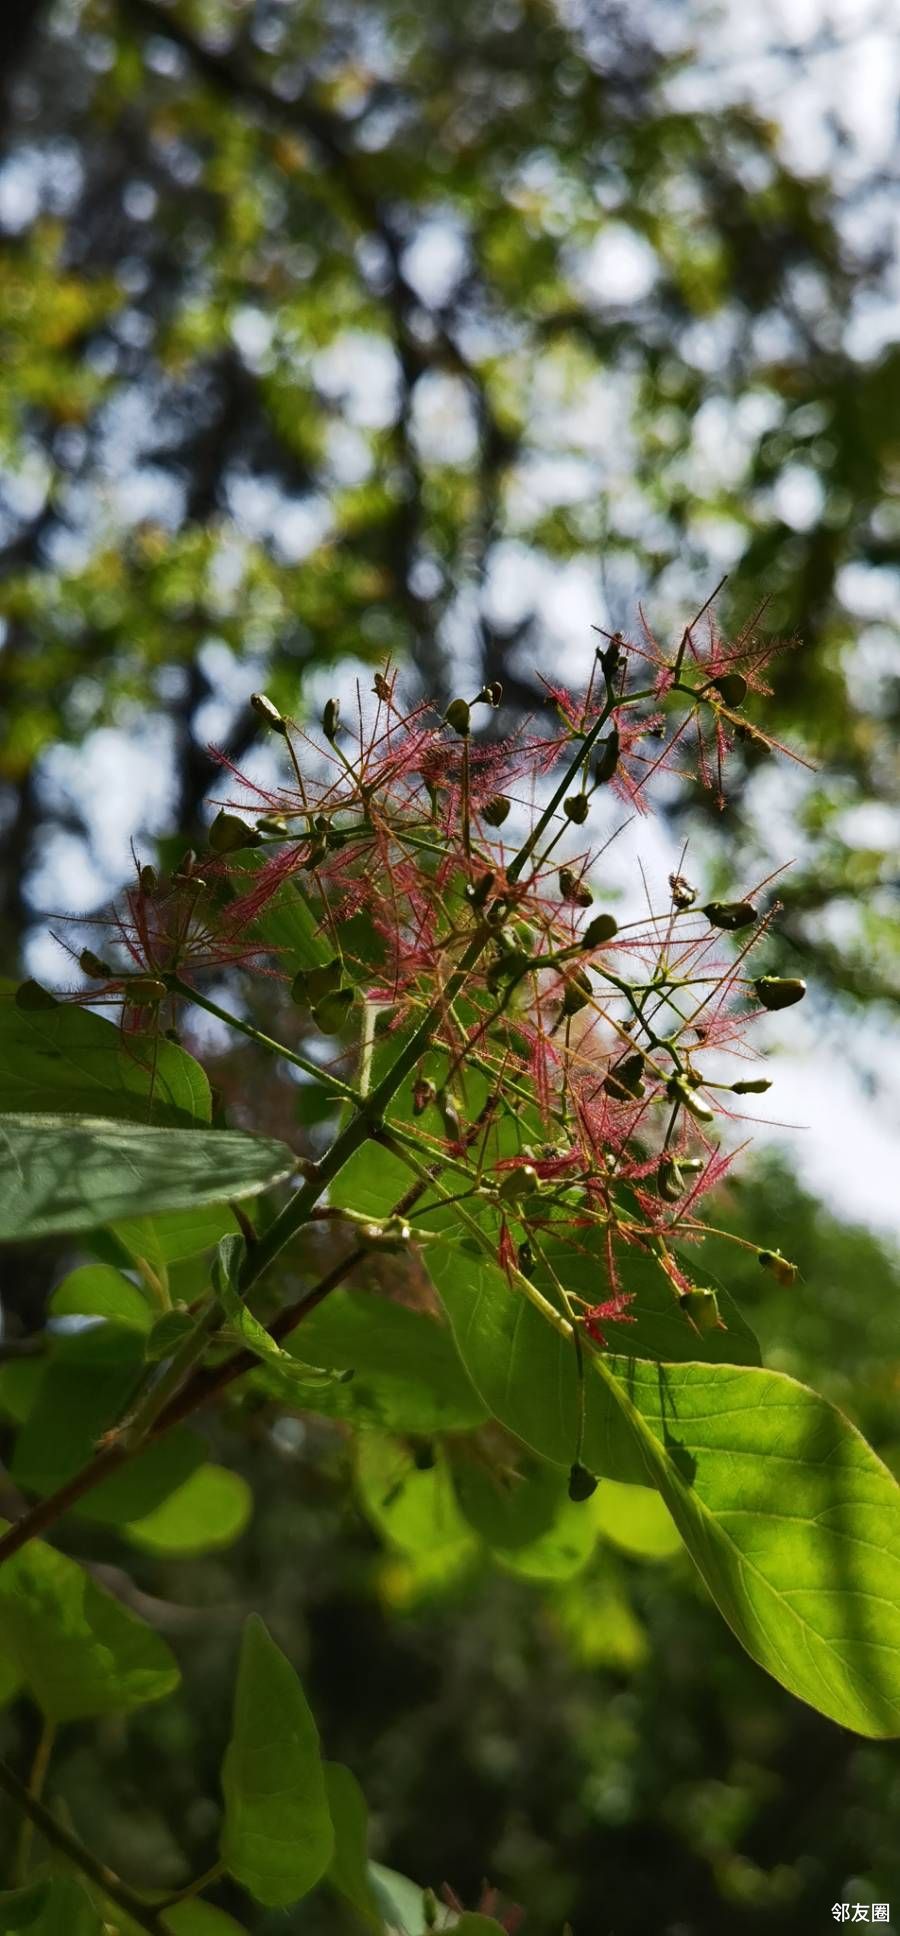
[59,1173]
[277,1837]
[78,1650]
[61,1057]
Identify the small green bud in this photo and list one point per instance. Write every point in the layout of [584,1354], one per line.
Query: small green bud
[702,1308]
[576,808]
[268,712]
[495,811]
[730,914]
[602,928]
[458,715]
[756,1087]
[670,1180]
[144,991]
[625,1081]
[331,718]
[607,757]
[683,1091]
[778,1267]
[332,1011]
[492,694]
[149,880]
[572,889]
[582,1483]
[91,964]
[777,991]
[732,686]
[228,834]
[578,992]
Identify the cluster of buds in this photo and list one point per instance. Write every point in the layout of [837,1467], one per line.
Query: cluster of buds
[571,1069]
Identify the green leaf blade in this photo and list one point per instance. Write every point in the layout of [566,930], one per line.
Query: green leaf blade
[60,1174]
[277,1837]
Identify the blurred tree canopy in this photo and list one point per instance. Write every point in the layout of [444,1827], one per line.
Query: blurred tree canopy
[337,331]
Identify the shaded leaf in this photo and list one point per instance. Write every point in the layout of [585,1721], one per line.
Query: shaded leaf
[208,1512]
[64,1058]
[58,1174]
[349,1871]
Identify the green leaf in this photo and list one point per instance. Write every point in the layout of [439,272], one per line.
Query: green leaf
[65,1058]
[144,1485]
[634,1519]
[97,1290]
[79,1652]
[511,1502]
[791,1519]
[52,1907]
[286,1375]
[598,1624]
[59,1175]
[402,1903]
[524,1371]
[200,1919]
[414,1509]
[287,923]
[559,1553]
[169,1239]
[21,1908]
[277,1837]
[207,1513]
[89,1378]
[349,1872]
[659,1328]
[85,1388]
[408,1375]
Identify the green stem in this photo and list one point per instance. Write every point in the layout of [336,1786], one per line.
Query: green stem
[36,1782]
[74,1851]
[334,1083]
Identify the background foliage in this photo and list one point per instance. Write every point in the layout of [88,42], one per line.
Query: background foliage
[330,332]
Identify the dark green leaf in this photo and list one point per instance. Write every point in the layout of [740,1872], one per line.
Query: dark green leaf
[65,1058]
[407,1372]
[57,1174]
[349,1871]
[97,1290]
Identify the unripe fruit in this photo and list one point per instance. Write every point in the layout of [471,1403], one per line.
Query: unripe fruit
[607,757]
[332,1011]
[732,686]
[702,1307]
[576,808]
[331,718]
[757,1087]
[145,991]
[777,1266]
[582,1483]
[601,929]
[625,1082]
[458,715]
[572,889]
[777,991]
[730,914]
[267,712]
[90,964]
[495,811]
[518,1183]
[578,992]
[228,834]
